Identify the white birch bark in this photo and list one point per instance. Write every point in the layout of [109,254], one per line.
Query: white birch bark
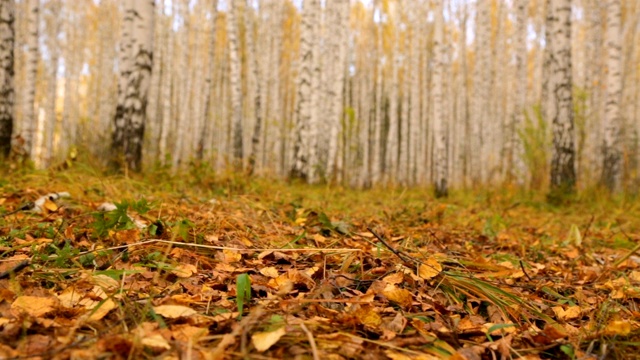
[209,119]
[131,112]
[611,158]
[338,12]
[236,86]
[166,84]
[391,156]
[480,105]
[514,151]
[563,176]
[7,92]
[258,84]
[53,30]
[439,126]
[376,150]
[29,120]
[302,157]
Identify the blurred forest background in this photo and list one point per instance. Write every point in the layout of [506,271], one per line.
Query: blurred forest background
[446,93]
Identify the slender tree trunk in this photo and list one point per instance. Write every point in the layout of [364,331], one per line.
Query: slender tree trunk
[166,85]
[29,121]
[303,108]
[131,111]
[563,175]
[7,92]
[339,23]
[209,118]
[611,157]
[391,156]
[480,93]
[236,85]
[53,25]
[257,75]
[439,129]
[514,151]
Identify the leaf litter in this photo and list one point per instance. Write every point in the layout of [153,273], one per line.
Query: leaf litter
[286,271]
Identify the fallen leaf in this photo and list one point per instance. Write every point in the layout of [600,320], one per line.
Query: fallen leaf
[264,340]
[429,269]
[270,271]
[102,309]
[398,295]
[184,270]
[34,305]
[174,311]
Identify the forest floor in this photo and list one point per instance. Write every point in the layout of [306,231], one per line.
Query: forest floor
[210,267]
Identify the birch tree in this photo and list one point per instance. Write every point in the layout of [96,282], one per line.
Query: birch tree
[338,11]
[7,97]
[301,165]
[29,121]
[236,86]
[560,105]
[515,162]
[439,126]
[480,91]
[135,74]
[611,159]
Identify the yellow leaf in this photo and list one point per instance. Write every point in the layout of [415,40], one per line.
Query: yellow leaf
[50,205]
[429,269]
[397,295]
[270,271]
[174,311]
[184,270]
[102,310]
[572,312]
[231,256]
[69,297]
[368,316]
[264,340]
[34,305]
[156,341]
[618,327]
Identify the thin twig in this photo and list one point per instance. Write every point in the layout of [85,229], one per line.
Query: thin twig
[312,341]
[525,271]
[228,339]
[399,254]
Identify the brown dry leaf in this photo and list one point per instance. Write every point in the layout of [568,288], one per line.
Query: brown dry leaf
[397,355]
[270,271]
[230,256]
[49,206]
[156,342]
[618,327]
[572,312]
[184,270]
[429,269]
[394,279]
[69,297]
[368,316]
[101,310]
[35,306]
[397,295]
[264,340]
[131,236]
[186,332]
[174,311]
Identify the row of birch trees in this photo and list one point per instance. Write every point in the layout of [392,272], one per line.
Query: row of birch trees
[446,93]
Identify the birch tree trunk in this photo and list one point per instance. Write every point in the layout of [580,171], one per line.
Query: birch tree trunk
[7,92]
[236,86]
[209,118]
[257,78]
[563,175]
[166,85]
[135,77]
[480,92]
[515,164]
[29,120]
[301,166]
[439,129]
[338,22]
[391,156]
[611,157]
[53,30]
